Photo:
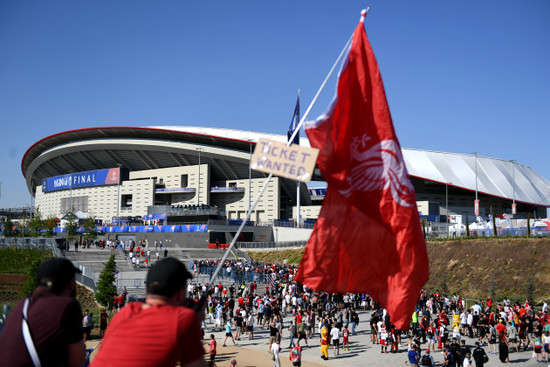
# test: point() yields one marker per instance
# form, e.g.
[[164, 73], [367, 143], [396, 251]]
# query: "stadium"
[[194, 178]]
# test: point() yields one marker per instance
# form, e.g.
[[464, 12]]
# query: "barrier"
[[269, 245], [218, 245]]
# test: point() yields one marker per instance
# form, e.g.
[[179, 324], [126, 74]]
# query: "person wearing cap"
[[479, 355], [161, 330], [427, 360], [53, 318]]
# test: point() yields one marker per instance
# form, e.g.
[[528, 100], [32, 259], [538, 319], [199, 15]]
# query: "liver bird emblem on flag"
[[377, 168]]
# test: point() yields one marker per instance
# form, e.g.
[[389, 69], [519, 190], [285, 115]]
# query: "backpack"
[[294, 330], [295, 355], [426, 361]]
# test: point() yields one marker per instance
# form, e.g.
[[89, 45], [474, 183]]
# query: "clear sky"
[[460, 76]]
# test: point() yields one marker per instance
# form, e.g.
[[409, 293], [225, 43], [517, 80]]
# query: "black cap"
[[56, 272], [166, 277], [476, 343]]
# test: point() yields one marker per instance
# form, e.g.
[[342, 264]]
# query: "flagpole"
[[323, 85], [302, 120], [298, 182]]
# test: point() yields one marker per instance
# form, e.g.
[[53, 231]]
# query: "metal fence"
[[448, 230], [28, 243], [87, 278], [225, 277], [131, 283], [269, 245]]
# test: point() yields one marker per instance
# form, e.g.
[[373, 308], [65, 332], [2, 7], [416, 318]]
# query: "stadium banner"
[[295, 162], [100, 177]]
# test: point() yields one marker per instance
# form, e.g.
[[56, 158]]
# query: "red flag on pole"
[[368, 237]]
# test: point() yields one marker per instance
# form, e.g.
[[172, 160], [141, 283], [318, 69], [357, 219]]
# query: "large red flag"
[[368, 237]]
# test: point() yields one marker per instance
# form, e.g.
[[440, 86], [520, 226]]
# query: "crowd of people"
[[440, 323], [293, 317]]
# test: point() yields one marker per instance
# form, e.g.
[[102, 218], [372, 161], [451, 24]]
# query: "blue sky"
[[460, 76]]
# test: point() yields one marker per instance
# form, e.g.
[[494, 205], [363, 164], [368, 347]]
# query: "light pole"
[[447, 202], [118, 194], [199, 179], [447, 206], [250, 174], [513, 187], [276, 245], [71, 191], [476, 202]]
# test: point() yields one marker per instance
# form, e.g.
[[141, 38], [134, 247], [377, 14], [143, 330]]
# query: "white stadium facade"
[[144, 172]]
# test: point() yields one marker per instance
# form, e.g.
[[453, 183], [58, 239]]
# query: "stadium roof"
[[228, 153]]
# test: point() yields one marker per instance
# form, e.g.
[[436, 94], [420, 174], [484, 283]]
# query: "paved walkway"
[[362, 352], [250, 353]]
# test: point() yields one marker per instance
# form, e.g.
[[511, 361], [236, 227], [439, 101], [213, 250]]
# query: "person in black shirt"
[[479, 355]]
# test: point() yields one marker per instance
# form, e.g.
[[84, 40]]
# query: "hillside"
[[476, 268]]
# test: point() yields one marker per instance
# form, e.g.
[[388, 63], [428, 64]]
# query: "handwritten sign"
[[295, 162]]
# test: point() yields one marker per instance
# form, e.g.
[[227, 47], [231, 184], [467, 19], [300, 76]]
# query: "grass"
[[15, 261]]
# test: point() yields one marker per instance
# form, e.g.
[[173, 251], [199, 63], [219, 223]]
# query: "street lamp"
[[513, 187], [476, 202], [276, 245], [199, 185], [118, 193], [250, 174], [71, 191], [447, 205]]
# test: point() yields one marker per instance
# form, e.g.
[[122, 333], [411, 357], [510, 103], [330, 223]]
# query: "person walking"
[[213, 348], [296, 355], [275, 351], [228, 332]]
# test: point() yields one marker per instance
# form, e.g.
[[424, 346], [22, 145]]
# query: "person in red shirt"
[[298, 318], [345, 338], [296, 355], [161, 330], [213, 348], [501, 327]]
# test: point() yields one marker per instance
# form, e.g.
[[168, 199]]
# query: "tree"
[[71, 226], [36, 224], [106, 288], [89, 229], [8, 228], [31, 282], [467, 227], [49, 224]]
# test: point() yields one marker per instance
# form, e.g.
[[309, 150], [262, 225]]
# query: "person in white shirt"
[[467, 360], [476, 308], [335, 336], [470, 322], [464, 322], [275, 349]]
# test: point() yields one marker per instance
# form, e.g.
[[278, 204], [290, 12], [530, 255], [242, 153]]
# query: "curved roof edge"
[[491, 176]]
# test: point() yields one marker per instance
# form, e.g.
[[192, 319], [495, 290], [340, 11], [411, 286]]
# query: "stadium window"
[[184, 181]]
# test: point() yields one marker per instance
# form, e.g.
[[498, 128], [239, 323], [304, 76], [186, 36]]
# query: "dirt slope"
[[476, 268]]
